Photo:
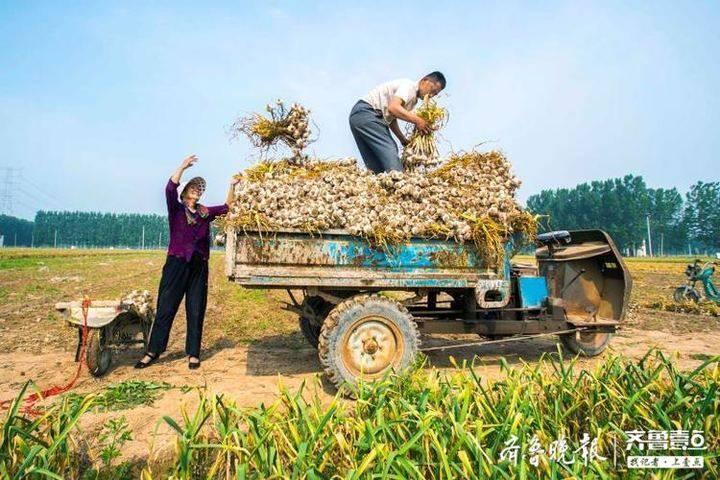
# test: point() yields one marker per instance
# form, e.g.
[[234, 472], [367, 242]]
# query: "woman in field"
[[185, 273]]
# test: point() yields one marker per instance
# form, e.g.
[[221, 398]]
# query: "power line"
[[43, 191], [36, 199], [20, 202]]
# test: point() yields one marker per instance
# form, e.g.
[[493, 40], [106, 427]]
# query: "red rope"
[[31, 400]]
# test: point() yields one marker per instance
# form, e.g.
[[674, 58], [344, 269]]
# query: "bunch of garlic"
[[416, 158], [421, 152], [281, 125], [140, 302], [298, 129]]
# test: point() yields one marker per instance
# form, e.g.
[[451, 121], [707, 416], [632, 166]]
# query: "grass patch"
[[251, 314], [24, 258], [685, 260], [122, 396], [710, 309]]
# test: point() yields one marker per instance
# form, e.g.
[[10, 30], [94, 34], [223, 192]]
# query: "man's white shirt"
[[380, 96]]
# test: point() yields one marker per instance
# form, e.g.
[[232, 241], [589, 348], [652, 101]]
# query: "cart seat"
[[556, 237]]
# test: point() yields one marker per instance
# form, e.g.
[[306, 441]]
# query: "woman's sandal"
[[141, 364], [193, 365]]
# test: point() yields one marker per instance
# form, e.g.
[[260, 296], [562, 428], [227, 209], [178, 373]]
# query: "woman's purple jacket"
[[184, 237]]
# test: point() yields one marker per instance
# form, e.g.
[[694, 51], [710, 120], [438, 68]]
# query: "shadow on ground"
[[514, 353]]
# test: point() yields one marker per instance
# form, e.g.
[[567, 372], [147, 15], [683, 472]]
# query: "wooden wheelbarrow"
[[110, 323]]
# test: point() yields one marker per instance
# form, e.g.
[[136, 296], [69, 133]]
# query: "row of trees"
[[16, 231], [621, 207], [94, 229]]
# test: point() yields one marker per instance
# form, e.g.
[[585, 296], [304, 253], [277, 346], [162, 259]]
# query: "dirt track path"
[[252, 374]]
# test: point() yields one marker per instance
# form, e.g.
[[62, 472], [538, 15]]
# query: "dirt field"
[[250, 344]]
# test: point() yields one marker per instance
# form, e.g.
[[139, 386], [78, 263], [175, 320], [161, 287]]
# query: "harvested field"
[[251, 346]]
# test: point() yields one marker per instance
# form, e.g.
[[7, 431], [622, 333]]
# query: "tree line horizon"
[[688, 224]]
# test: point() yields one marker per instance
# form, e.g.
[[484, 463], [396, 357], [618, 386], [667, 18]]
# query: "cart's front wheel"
[[366, 336], [97, 355], [586, 344]]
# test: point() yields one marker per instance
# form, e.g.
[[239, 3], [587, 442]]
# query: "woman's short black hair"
[[437, 77]]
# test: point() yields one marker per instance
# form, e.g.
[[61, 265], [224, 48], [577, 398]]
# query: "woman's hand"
[[189, 161], [231, 191]]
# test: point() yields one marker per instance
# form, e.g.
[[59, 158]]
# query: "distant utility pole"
[[7, 194], [159, 240], [662, 243], [15, 241], [143, 237], [32, 240], [647, 218], [55, 240]]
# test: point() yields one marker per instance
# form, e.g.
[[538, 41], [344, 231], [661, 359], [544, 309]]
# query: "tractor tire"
[[586, 344], [683, 294], [309, 327], [97, 355], [365, 337]]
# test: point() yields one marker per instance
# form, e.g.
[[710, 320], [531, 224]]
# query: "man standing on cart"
[[377, 113]]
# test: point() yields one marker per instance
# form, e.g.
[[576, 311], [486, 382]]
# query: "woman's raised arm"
[[187, 163]]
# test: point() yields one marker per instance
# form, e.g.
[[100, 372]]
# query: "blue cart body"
[[336, 259], [579, 290]]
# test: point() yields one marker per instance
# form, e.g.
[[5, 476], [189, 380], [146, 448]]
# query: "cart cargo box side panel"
[[297, 259]]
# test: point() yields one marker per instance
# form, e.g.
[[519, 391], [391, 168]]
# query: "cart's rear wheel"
[[97, 355], [586, 344], [365, 337], [318, 308]]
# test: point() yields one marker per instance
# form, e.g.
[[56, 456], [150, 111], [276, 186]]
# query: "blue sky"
[[100, 100]]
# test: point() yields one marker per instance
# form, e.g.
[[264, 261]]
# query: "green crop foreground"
[[423, 424], [440, 425]]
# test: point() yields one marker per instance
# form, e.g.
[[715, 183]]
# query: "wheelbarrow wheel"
[[365, 337], [97, 355], [586, 344], [318, 308]]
